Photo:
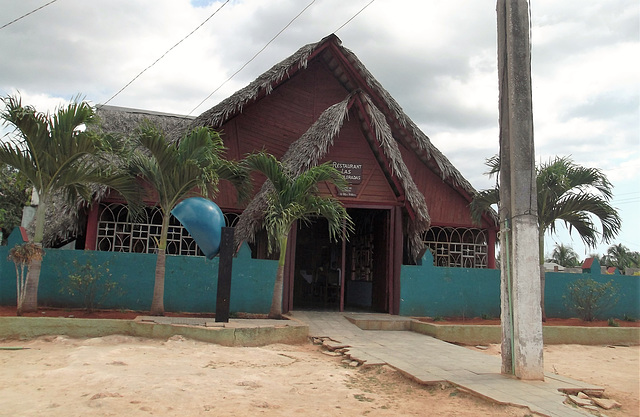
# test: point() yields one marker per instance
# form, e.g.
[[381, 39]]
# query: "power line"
[[163, 55], [252, 58], [354, 16], [627, 201], [25, 15]]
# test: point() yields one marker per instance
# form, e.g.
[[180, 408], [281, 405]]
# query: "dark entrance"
[[319, 281]]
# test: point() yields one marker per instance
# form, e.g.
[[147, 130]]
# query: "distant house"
[[590, 264], [322, 104], [552, 267]]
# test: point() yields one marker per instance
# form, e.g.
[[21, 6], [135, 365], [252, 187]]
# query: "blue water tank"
[[204, 220]]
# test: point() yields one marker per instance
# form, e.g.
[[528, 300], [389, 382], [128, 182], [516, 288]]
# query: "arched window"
[[117, 233], [457, 246]]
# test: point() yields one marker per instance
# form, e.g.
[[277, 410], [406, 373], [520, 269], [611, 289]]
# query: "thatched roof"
[[342, 61], [63, 220], [388, 124], [314, 144], [125, 121]]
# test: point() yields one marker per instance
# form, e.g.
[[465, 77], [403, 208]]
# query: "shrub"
[[589, 298], [92, 283]]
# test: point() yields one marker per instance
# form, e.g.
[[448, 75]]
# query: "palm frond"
[[237, 174], [568, 192], [289, 199], [482, 203], [271, 168]]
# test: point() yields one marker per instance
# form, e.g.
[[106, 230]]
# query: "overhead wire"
[[164, 54], [27, 14], [252, 58], [268, 43], [354, 16]]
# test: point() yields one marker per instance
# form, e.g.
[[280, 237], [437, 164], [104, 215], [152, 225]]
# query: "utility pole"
[[521, 314]]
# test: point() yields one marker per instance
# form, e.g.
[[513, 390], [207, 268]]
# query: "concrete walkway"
[[431, 361]]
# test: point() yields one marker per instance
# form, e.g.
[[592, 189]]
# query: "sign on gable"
[[350, 171]]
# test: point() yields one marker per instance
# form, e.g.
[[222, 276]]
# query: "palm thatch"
[[124, 121], [64, 219], [330, 48], [314, 144], [388, 122]]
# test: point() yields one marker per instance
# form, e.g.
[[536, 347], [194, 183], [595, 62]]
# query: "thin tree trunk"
[[30, 304], [21, 281], [35, 266], [157, 304], [276, 301]]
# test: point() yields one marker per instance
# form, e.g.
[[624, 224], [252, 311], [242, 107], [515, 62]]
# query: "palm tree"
[[621, 257], [190, 167], [564, 256], [57, 155], [568, 192], [292, 198]]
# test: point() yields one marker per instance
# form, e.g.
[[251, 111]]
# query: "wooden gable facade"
[[321, 104]]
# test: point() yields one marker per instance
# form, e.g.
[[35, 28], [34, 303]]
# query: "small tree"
[[565, 256], [91, 282], [190, 167], [621, 257], [568, 192], [22, 256], [57, 153], [295, 198], [589, 298]]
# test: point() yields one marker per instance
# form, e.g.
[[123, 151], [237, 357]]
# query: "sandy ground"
[[615, 368], [126, 376]]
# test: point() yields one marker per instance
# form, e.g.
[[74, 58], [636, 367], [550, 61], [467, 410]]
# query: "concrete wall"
[[426, 290], [432, 291], [628, 290], [190, 282]]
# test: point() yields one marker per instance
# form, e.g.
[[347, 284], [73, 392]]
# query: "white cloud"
[[437, 59]]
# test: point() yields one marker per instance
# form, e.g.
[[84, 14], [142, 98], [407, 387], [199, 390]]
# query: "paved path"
[[430, 361]]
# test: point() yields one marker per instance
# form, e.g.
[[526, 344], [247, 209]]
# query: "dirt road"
[[124, 376]]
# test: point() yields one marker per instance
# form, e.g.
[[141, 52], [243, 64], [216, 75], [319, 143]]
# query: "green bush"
[[90, 282], [589, 298]]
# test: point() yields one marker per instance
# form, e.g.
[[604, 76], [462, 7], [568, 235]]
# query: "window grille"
[[457, 246], [117, 234]]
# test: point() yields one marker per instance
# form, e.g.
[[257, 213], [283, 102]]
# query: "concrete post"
[[520, 282]]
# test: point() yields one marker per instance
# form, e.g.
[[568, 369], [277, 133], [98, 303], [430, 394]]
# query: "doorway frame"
[[394, 250]]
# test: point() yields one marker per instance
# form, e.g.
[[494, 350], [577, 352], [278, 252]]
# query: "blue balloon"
[[204, 220]]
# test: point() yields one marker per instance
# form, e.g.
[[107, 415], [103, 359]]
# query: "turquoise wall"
[[190, 282], [432, 291], [628, 290]]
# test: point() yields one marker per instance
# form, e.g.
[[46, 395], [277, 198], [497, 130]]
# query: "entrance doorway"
[[322, 281]]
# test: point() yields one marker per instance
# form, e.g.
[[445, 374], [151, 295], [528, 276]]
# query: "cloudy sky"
[[436, 57]]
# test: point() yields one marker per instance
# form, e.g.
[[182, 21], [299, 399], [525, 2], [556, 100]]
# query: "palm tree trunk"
[[276, 301], [35, 266], [542, 272], [157, 304], [30, 304]]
